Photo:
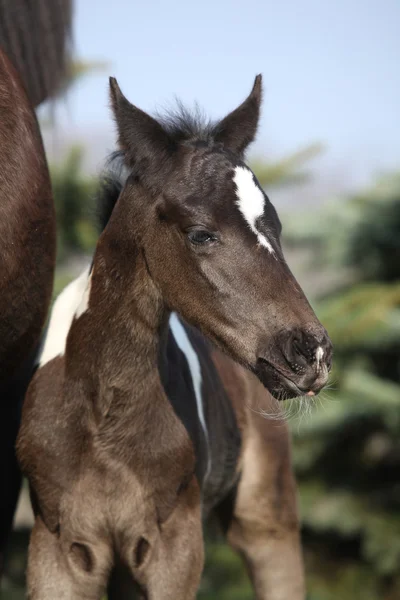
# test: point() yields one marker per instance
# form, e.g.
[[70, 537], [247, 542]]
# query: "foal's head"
[[211, 240]]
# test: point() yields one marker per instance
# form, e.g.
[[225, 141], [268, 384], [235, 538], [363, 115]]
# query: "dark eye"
[[200, 236]]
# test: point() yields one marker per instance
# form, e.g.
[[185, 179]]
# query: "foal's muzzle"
[[296, 364]]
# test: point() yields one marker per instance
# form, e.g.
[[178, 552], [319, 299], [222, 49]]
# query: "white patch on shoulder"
[[65, 308], [250, 201], [319, 354], [84, 303], [185, 345]]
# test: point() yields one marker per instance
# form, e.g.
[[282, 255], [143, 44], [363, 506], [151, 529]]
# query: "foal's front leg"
[[167, 562], [265, 527], [176, 572], [61, 570]]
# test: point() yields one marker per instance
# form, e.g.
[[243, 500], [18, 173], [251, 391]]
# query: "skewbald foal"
[[139, 425]]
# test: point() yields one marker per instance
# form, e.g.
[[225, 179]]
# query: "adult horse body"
[[138, 423], [27, 254]]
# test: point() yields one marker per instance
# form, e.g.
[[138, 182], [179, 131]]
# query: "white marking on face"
[[251, 202], [185, 345], [64, 310], [319, 354]]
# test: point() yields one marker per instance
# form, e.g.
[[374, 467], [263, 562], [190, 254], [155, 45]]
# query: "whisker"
[[294, 410]]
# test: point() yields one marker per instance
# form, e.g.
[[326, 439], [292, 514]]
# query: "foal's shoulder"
[[64, 309]]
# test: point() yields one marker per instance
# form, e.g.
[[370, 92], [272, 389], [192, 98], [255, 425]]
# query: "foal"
[[27, 254], [139, 425]]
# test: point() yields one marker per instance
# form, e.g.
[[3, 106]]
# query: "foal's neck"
[[114, 346], [111, 370]]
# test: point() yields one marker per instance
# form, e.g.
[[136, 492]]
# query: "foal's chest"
[[199, 398]]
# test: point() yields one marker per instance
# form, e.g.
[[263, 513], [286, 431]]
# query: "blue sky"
[[331, 69]]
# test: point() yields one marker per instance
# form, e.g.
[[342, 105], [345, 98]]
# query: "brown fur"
[[114, 470], [35, 35], [107, 472], [111, 472], [27, 255], [27, 224]]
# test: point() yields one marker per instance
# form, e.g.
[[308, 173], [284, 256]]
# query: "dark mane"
[[112, 181], [184, 125]]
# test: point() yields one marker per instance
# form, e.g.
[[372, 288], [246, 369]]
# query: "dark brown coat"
[[110, 440], [27, 256]]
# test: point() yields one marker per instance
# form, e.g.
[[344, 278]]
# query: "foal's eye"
[[200, 236]]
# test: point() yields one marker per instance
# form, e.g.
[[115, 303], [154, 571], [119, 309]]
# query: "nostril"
[[302, 351], [305, 348], [298, 349]]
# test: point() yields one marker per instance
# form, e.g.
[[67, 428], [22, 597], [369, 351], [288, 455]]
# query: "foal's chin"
[[279, 386]]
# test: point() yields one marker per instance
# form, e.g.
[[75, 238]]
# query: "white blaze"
[[250, 201], [67, 305]]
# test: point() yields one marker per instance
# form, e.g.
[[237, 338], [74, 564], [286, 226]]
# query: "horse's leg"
[[167, 562], [65, 571], [10, 475], [264, 528], [176, 573], [12, 395]]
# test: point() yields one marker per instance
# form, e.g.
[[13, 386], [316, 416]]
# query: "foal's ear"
[[239, 128], [146, 144]]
